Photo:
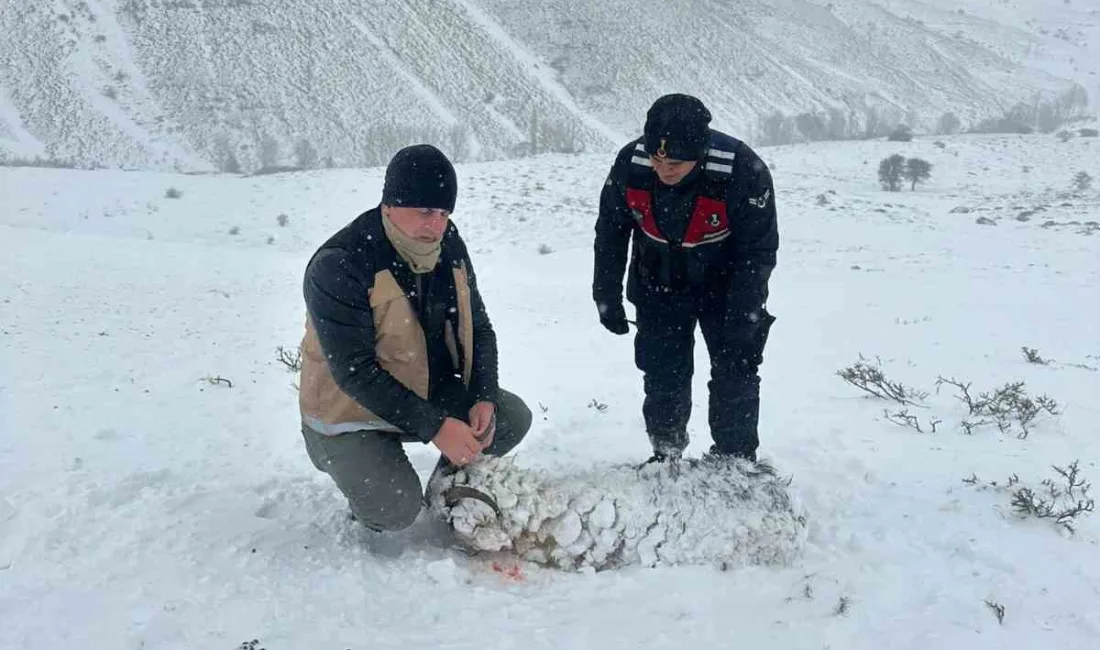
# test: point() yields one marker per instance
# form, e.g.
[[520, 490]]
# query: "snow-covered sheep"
[[712, 511]]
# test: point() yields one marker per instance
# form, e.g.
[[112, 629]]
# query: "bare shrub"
[[291, 359], [1062, 500], [906, 419], [1007, 406], [1032, 356], [872, 379], [214, 381], [997, 609]]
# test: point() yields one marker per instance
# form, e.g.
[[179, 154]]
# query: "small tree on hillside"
[[901, 134], [305, 154], [533, 130], [269, 152], [1082, 182], [777, 129], [890, 171], [875, 123], [917, 171], [459, 138], [226, 158], [949, 124]]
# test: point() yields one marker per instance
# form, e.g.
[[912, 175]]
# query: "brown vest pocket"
[[399, 341]]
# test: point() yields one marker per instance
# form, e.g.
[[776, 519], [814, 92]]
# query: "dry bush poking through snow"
[[1062, 501], [1032, 356], [872, 379], [292, 359], [1006, 407]]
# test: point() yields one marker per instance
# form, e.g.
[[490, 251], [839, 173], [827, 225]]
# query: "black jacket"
[[337, 280], [734, 270]]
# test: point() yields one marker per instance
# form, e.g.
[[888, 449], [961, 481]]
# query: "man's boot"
[[716, 452], [668, 445], [735, 418]]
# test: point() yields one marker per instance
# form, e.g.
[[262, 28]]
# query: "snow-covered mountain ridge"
[[228, 84]]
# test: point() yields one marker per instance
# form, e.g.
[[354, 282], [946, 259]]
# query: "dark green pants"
[[373, 472]]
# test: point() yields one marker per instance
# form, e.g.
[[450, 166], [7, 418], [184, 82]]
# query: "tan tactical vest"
[[399, 347]]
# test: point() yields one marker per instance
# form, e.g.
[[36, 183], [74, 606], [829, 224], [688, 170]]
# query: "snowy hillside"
[[227, 84], [144, 503]]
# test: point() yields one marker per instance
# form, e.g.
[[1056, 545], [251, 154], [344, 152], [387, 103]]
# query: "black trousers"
[[663, 350], [372, 470]]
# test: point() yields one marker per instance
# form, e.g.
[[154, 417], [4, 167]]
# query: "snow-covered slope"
[[142, 506], [909, 61], [201, 84]]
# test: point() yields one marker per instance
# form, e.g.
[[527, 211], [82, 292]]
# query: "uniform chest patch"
[[761, 201]]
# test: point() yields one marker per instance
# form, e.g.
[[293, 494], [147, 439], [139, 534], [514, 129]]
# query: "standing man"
[[399, 348], [700, 208]]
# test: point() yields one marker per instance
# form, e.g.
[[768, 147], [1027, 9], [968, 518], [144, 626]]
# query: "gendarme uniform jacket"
[[381, 341], [712, 236]]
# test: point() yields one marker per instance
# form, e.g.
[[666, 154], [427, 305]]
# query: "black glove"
[[613, 317]]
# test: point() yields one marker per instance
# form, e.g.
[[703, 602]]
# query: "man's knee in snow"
[[396, 512]]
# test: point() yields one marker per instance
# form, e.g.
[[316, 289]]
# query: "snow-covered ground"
[[142, 506]]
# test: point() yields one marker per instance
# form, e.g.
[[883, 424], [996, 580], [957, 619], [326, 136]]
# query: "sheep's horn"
[[453, 494]]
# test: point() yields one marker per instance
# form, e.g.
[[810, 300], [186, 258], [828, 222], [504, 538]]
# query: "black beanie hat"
[[420, 176], [676, 127]]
